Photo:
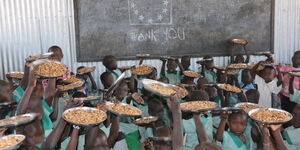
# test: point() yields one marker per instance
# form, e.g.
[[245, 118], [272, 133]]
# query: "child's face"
[[296, 116], [238, 124], [186, 63], [239, 59], [171, 65], [201, 82], [113, 64], [252, 98], [158, 111], [296, 59], [212, 92], [6, 93], [100, 143], [153, 75], [122, 91], [209, 64], [246, 77], [268, 74], [221, 77]]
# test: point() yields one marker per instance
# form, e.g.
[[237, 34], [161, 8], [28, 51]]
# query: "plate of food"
[[88, 98], [237, 66], [72, 79], [239, 41], [158, 88], [247, 106], [191, 74], [11, 142], [49, 69], [84, 116], [295, 73], [232, 73], [122, 109], [263, 53], [70, 86], [141, 69], [111, 89], [220, 67], [86, 70], [198, 106], [270, 115], [125, 67], [186, 85], [42, 56], [145, 120], [17, 120], [142, 55], [180, 90], [8, 104], [228, 109], [15, 75], [229, 88], [167, 57]]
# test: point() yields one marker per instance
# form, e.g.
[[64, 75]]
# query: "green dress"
[[232, 142], [210, 76], [115, 73], [291, 136], [189, 128], [295, 97], [174, 77]]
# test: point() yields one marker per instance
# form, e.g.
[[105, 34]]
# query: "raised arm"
[[179, 65], [94, 85], [50, 91], [231, 50], [74, 138], [177, 132], [280, 77], [163, 67], [246, 53], [275, 130], [201, 133], [221, 129], [23, 104], [114, 131], [291, 85], [25, 78]]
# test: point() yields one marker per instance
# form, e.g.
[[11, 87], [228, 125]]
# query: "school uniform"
[[266, 90], [174, 77], [116, 73], [291, 136], [295, 97], [189, 128], [210, 75], [233, 142]]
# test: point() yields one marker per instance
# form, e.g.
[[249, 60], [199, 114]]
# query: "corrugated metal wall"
[[29, 27]]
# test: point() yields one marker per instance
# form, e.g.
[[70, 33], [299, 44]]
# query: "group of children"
[[264, 85]]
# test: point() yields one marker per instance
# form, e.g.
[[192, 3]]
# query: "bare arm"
[[179, 65], [163, 67], [114, 131], [74, 139], [201, 133], [50, 91], [247, 54], [279, 140], [220, 131], [231, 49], [94, 85], [25, 78], [280, 77], [291, 85], [54, 114]]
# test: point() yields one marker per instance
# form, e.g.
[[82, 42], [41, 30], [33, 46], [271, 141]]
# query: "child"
[[252, 96], [235, 138], [287, 104], [247, 80], [186, 62], [110, 63], [164, 80], [267, 84], [208, 69], [172, 74], [57, 53], [190, 126], [107, 79], [6, 97], [239, 58], [90, 85], [201, 83]]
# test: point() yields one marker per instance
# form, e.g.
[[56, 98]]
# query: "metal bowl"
[[199, 110], [75, 87], [292, 74], [239, 104], [41, 61], [227, 109], [15, 146], [92, 69], [121, 114], [273, 109], [227, 89], [9, 74], [152, 68], [147, 82], [239, 41], [145, 123], [142, 55], [87, 109], [42, 56], [88, 99], [160, 139], [32, 116]]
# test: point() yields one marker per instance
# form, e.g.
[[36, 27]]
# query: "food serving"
[[162, 89], [87, 98], [125, 67], [123, 109], [198, 105], [86, 70], [191, 74], [220, 67], [70, 86], [239, 41], [180, 90], [14, 120], [229, 88], [142, 70], [232, 73], [270, 115], [50, 69], [142, 55], [237, 66], [10, 140], [16, 75], [83, 116], [72, 79], [43, 56], [145, 120], [247, 106]]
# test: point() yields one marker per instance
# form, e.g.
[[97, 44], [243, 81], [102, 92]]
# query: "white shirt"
[[266, 90]]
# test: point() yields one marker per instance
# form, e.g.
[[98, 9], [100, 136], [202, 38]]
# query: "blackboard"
[[170, 27]]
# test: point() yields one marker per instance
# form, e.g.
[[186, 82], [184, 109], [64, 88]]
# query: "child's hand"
[[72, 103], [275, 128], [225, 114], [32, 79], [2, 131], [148, 144], [101, 106], [264, 129], [137, 97]]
